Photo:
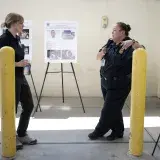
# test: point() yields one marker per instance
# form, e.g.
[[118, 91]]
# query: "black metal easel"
[[46, 72], [156, 145], [35, 92]]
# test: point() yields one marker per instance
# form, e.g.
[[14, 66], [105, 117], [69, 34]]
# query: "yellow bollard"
[[7, 97], [138, 96]]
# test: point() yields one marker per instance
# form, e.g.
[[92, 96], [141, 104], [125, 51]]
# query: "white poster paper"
[[2, 30], [60, 42], [26, 39]]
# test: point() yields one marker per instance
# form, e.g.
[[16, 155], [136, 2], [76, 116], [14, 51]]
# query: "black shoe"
[[94, 136], [114, 136], [26, 140], [19, 145]]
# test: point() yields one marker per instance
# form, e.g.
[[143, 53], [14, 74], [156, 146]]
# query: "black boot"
[[113, 136], [95, 135]]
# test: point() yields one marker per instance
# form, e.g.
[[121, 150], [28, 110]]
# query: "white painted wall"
[[142, 15]]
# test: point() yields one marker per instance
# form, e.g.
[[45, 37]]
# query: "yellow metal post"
[[7, 97], [138, 95]]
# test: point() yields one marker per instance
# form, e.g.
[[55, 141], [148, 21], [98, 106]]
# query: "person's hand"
[[126, 44], [100, 54], [136, 45], [22, 63]]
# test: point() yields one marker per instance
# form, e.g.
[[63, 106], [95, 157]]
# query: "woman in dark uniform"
[[14, 24], [116, 70]]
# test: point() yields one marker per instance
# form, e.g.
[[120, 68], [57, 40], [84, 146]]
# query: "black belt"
[[117, 77]]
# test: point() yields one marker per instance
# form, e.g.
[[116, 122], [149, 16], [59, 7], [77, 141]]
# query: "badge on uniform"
[[20, 44], [121, 50], [103, 62]]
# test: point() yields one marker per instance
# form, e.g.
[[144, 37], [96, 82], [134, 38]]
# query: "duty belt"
[[117, 77]]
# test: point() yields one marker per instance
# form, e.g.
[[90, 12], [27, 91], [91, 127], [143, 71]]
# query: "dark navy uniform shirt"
[[116, 62], [7, 39]]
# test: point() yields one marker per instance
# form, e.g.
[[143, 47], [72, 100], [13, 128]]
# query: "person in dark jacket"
[[14, 26], [115, 72]]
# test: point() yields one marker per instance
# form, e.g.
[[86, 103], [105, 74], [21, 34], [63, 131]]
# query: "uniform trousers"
[[115, 90]]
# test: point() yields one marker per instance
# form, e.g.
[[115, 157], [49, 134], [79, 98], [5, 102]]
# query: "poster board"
[[26, 39], [60, 42]]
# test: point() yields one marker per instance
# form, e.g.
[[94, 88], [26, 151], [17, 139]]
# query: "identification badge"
[[121, 50], [103, 62], [20, 44]]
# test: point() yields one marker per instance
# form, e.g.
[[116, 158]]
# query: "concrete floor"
[[62, 129]]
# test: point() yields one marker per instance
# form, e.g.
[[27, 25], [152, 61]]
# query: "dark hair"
[[12, 18], [125, 27]]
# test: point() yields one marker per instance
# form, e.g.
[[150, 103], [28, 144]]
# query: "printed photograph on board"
[[25, 34], [54, 54], [68, 55], [68, 34]]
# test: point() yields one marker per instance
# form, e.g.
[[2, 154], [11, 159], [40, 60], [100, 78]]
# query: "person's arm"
[[5, 42], [135, 44], [103, 51], [126, 51], [100, 54], [121, 56], [21, 63]]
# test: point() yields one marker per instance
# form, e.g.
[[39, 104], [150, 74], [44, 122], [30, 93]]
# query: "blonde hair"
[[12, 18]]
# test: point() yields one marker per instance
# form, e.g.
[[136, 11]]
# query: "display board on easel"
[[60, 42], [60, 46]]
